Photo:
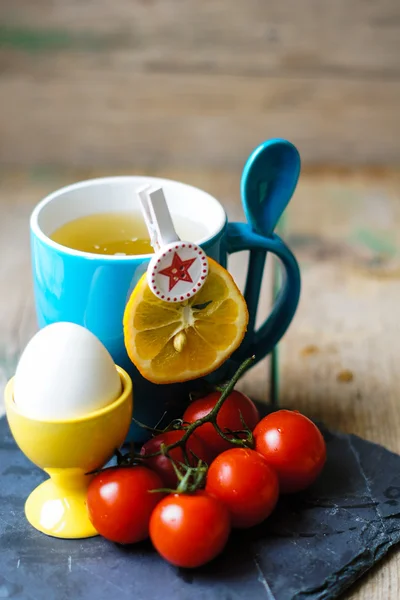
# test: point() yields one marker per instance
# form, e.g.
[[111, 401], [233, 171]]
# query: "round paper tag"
[[177, 271]]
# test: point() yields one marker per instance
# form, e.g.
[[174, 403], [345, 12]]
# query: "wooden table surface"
[[111, 83], [339, 362]]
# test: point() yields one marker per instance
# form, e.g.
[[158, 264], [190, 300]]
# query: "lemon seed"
[[180, 341]]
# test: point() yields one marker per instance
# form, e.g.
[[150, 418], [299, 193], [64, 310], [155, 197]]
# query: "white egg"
[[65, 372]]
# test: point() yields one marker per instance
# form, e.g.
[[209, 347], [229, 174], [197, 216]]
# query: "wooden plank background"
[[189, 83]]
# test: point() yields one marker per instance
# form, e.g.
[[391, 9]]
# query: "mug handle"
[[260, 342]]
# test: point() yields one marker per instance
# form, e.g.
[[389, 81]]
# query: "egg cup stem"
[[58, 508]]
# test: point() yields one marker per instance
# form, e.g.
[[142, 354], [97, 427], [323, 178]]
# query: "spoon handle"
[[268, 181], [261, 342], [255, 272]]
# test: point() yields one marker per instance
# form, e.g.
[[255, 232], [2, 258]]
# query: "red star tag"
[[178, 270]]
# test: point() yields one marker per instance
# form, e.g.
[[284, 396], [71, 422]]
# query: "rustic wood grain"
[[315, 37], [55, 114], [339, 360], [197, 83]]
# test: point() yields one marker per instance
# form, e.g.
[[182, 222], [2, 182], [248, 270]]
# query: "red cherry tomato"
[[243, 481], [228, 418], [162, 464], [293, 446], [120, 503], [189, 530]]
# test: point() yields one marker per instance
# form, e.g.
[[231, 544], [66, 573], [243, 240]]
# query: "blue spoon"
[[268, 181]]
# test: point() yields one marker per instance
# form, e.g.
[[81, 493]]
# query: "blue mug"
[[92, 290]]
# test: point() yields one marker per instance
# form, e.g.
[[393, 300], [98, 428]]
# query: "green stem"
[[211, 417], [232, 437], [193, 478], [153, 430]]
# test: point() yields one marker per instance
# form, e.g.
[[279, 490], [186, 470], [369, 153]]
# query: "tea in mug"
[[118, 233]]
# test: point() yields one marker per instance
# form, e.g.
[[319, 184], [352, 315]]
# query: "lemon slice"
[[169, 343]]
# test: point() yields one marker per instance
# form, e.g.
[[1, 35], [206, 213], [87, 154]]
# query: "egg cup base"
[[59, 512]]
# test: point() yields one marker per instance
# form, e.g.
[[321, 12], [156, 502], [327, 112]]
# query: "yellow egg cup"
[[67, 450]]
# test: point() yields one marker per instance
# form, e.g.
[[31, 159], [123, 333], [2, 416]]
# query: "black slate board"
[[312, 548]]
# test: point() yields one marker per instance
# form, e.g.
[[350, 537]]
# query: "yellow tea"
[[120, 233]]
